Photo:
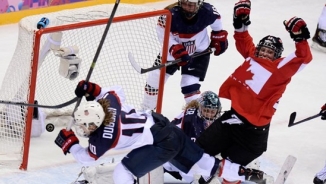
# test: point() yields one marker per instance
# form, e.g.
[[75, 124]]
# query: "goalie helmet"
[[190, 7], [88, 118], [273, 43], [209, 107]]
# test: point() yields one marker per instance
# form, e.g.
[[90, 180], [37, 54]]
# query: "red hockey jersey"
[[256, 86]]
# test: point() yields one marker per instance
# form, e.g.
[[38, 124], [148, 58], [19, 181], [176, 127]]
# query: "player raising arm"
[[254, 88], [188, 35], [109, 123]]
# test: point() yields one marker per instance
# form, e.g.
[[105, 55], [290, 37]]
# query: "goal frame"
[[35, 57]]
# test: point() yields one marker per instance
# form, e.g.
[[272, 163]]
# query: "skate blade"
[[317, 47]]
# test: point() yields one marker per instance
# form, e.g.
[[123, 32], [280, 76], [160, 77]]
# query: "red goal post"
[[34, 74]]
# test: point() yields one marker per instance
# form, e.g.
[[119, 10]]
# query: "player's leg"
[[152, 84], [191, 76], [172, 170], [249, 143], [216, 137], [146, 158]]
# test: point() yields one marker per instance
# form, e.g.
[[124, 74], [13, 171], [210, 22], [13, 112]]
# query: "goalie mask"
[[190, 7], [88, 118], [209, 107], [269, 45]]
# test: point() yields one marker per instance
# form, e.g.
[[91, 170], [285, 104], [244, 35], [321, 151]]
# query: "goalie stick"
[[41, 106], [285, 169], [99, 48], [145, 70], [293, 115], [284, 172]]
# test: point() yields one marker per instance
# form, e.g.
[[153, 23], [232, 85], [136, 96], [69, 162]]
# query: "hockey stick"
[[285, 169], [99, 48], [145, 70], [41, 106], [293, 115]]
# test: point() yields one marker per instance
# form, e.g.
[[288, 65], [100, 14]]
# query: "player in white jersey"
[[188, 35], [109, 123], [319, 39], [320, 177]]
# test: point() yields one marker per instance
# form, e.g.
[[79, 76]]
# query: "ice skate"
[[319, 40], [320, 177]]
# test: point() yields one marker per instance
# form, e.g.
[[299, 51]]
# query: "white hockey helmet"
[[190, 12], [88, 117]]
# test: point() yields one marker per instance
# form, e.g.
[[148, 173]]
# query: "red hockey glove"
[[219, 41], [241, 14], [297, 28], [323, 112], [179, 52], [88, 89], [65, 140]]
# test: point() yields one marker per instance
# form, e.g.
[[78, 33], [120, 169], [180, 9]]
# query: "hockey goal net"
[[33, 73]]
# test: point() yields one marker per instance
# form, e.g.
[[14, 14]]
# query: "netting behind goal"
[[34, 69]]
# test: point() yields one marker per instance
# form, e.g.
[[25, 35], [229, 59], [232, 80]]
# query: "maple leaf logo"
[[242, 73]]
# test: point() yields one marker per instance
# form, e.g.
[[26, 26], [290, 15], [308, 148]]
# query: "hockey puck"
[[49, 127]]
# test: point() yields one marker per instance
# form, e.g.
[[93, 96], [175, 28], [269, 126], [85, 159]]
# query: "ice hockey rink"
[[305, 95]]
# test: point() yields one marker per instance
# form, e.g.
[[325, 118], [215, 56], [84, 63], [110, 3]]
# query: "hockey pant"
[[170, 144]]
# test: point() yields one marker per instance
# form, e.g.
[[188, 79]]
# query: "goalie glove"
[[297, 28], [241, 14], [219, 41], [88, 89], [65, 140], [323, 112]]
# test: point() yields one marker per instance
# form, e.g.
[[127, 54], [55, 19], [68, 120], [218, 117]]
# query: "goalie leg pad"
[[122, 175]]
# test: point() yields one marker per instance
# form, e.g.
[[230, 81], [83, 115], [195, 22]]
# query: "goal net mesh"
[[133, 30]]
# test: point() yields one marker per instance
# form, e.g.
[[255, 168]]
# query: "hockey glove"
[[179, 52], [323, 112], [65, 140], [88, 89], [241, 14], [297, 28], [219, 41]]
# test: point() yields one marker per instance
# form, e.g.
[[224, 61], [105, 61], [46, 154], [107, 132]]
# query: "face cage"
[[189, 15], [210, 120], [277, 52]]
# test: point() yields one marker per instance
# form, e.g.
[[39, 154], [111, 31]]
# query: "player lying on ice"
[[109, 123]]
